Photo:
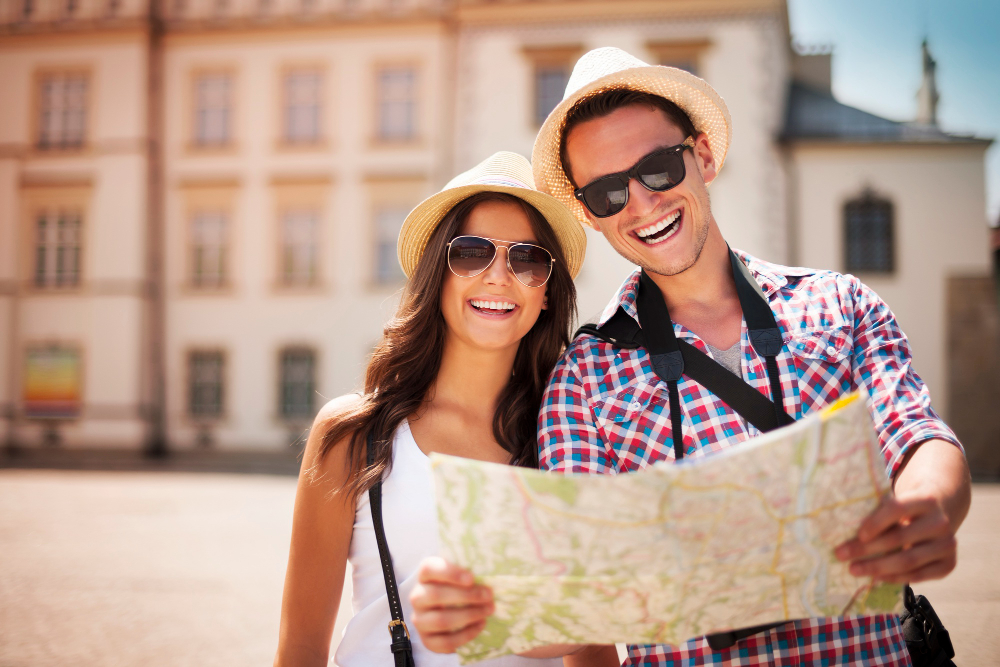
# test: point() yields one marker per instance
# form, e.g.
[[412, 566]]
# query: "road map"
[[736, 539]]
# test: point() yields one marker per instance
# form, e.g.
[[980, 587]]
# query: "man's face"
[[663, 232]]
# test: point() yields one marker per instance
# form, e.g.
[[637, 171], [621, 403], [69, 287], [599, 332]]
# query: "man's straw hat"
[[609, 68], [501, 172]]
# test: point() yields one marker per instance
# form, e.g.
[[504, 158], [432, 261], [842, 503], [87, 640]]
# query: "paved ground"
[[156, 569]]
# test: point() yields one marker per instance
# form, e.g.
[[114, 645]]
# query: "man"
[[605, 407], [632, 150]]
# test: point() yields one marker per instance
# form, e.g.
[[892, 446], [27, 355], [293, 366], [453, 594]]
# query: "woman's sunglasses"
[[659, 171], [469, 256]]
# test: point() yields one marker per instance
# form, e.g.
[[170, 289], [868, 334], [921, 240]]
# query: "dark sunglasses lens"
[[605, 196], [470, 255], [661, 172], [531, 264]]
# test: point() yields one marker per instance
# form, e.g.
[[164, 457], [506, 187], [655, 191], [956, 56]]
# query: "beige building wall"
[[938, 193], [347, 178], [103, 180]]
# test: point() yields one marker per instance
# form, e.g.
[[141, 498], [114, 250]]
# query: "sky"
[[877, 62]]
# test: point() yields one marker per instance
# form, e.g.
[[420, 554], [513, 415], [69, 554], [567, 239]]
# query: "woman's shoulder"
[[333, 456], [338, 407]]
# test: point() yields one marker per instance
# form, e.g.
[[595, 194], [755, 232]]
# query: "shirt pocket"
[[638, 408], [823, 363]]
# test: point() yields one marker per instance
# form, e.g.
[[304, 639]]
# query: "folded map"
[[739, 538]]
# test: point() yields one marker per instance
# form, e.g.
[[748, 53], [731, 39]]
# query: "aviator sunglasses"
[[659, 171], [469, 256]]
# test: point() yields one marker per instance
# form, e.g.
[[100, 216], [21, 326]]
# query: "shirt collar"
[[770, 277]]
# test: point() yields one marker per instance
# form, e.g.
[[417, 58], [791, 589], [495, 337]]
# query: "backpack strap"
[[401, 648]]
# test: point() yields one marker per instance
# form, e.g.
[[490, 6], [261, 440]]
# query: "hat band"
[[501, 181]]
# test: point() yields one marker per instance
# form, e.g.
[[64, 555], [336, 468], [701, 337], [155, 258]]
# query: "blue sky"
[[877, 64]]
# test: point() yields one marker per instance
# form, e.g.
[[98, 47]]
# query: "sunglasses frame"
[[497, 244], [633, 173]]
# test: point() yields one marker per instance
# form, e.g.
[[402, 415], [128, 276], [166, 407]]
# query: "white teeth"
[[492, 305], [660, 226]]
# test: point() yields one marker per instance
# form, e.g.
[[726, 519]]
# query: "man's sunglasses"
[[659, 171], [469, 256]]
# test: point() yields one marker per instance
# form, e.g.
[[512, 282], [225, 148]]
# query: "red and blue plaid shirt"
[[606, 411]]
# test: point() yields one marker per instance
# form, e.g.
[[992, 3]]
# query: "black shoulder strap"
[[400, 636], [622, 331]]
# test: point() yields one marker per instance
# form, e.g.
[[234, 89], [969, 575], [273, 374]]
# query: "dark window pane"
[[298, 383], [550, 84], [205, 371], [868, 235]]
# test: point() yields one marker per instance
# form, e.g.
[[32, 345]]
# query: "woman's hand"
[[449, 608]]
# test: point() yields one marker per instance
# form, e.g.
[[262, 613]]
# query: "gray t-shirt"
[[729, 358]]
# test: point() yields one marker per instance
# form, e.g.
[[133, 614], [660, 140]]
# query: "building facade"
[[199, 199]]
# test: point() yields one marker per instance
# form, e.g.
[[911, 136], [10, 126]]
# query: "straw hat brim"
[[424, 219], [704, 106]]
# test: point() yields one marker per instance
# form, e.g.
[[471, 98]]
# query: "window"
[[213, 109], [868, 234], [396, 111], [550, 84], [63, 111], [682, 54], [388, 222], [57, 249], [298, 383], [302, 106], [208, 249], [298, 247], [550, 71], [205, 384]]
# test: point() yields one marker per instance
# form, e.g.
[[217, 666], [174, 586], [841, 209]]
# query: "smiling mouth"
[[499, 307], [662, 230]]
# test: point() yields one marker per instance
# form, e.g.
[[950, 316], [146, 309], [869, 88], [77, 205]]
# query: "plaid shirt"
[[606, 411]]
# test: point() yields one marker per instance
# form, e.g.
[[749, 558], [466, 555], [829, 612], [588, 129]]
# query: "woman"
[[460, 370]]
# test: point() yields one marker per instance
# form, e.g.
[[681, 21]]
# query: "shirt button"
[[635, 405], [831, 350]]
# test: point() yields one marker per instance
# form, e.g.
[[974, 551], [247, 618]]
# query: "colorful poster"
[[52, 383]]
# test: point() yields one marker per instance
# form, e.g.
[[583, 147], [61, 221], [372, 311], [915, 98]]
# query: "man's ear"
[[704, 159]]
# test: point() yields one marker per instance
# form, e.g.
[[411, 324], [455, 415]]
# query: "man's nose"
[[641, 201]]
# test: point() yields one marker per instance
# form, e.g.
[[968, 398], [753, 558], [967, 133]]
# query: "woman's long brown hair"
[[405, 363]]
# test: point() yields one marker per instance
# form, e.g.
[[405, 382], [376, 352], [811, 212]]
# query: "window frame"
[[869, 198], [546, 56], [43, 75], [292, 417], [378, 139], [676, 51], [189, 356], [320, 140], [401, 192], [192, 112]]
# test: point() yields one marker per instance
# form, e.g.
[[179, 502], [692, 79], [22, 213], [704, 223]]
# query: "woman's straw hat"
[[609, 68], [501, 172]]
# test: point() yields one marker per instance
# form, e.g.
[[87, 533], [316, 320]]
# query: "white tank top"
[[410, 520]]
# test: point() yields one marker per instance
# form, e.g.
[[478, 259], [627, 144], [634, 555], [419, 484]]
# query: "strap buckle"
[[394, 623]]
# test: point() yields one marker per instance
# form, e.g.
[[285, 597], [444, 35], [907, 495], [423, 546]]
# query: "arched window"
[[868, 234]]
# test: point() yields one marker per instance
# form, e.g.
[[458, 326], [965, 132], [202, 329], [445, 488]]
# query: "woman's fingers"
[[449, 608], [431, 596], [448, 643], [437, 570]]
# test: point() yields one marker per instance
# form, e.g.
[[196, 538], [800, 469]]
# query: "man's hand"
[[449, 608], [911, 537]]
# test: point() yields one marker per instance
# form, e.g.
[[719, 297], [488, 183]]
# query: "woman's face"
[[467, 303]]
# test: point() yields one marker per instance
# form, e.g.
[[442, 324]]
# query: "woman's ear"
[[545, 299]]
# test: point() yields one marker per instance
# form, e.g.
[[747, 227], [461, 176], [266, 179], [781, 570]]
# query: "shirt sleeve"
[[569, 439], [898, 399]]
